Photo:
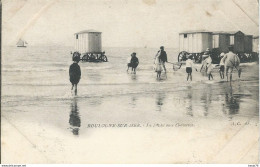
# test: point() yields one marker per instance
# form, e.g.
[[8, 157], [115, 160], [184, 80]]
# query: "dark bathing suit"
[[188, 69], [163, 56], [75, 73], [134, 62], [222, 68]]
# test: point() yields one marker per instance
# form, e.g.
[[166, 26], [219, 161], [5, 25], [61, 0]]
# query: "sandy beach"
[[119, 117]]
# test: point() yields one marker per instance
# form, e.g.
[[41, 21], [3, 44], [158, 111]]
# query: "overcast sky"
[[123, 23]]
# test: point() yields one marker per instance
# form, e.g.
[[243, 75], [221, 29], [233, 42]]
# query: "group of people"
[[206, 66], [159, 62], [228, 62]]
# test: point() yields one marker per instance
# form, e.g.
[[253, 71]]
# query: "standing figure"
[[134, 62], [209, 66], [158, 65], [189, 65], [204, 60], [163, 57], [74, 71], [222, 66], [231, 60]]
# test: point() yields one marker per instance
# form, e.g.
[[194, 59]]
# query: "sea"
[[37, 103]]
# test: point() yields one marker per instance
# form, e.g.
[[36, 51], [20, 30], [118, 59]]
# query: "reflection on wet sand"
[[74, 120], [231, 102], [134, 77], [160, 100], [207, 98], [188, 102], [133, 101]]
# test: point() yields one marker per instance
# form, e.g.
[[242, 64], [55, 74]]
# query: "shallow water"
[[36, 94]]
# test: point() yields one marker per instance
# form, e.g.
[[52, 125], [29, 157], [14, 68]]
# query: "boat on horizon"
[[21, 43]]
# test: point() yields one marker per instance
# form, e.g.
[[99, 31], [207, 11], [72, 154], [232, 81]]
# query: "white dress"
[[210, 66], [158, 64]]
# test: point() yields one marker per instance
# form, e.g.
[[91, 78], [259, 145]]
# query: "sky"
[[123, 23]]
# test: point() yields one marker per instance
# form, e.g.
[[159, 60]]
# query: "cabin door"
[[94, 42]]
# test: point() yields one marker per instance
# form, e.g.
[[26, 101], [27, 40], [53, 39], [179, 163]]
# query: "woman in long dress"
[[158, 65]]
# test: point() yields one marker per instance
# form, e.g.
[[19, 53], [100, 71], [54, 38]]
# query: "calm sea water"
[[35, 86]]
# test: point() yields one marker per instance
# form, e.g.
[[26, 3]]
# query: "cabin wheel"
[[85, 57], [198, 57], [104, 58], [182, 56]]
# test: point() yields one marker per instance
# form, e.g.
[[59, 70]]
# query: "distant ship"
[[21, 43]]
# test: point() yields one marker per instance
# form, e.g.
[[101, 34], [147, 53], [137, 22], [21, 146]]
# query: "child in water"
[[189, 65], [133, 62], [75, 72]]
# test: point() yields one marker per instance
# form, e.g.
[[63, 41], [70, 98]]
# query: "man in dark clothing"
[[163, 57], [75, 72]]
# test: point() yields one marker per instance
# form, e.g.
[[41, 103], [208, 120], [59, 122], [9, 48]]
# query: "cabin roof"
[[88, 31], [248, 35], [224, 32], [227, 32], [194, 32]]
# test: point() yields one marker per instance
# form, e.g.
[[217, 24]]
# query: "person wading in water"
[[231, 60], [75, 72], [163, 57]]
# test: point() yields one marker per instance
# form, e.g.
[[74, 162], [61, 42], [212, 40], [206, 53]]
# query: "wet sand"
[[119, 117], [197, 122]]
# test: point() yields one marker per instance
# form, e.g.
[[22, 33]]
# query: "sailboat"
[[21, 43]]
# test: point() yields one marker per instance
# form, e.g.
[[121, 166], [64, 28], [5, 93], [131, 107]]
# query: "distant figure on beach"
[[222, 68], [75, 72], [158, 65], [231, 60], [163, 57], [132, 62], [189, 65], [209, 66], [204, 61]]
